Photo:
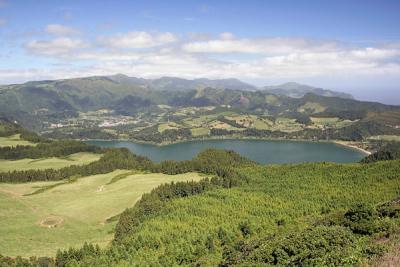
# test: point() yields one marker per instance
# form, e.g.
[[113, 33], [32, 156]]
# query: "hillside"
[[113, 107], [70, 214], [244, 214], [297, 90], [179, 84], [340, 215]]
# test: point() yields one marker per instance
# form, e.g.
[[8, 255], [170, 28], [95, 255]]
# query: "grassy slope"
[[14, 140], [296, 195], [83, 207], [55, 163]]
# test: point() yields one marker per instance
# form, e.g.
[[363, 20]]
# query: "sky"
[[344, 45]]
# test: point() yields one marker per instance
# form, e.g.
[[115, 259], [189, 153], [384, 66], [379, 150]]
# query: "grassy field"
[[55, 163], [286, 125], [69, 214], [311, 106], [200, 131], [385, 138], [14, 140], [165, 126]]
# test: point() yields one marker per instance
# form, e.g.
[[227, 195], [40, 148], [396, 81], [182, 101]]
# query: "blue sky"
[[351, 46]]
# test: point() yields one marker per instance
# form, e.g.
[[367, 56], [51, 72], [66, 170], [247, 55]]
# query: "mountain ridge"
[[172, 83], [297, 90]]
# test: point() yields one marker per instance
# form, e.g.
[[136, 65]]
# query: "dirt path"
[[390, 259]]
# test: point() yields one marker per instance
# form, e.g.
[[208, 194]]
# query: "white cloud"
[[57, 47], [228, 44], [227, 36], [200, 55], [138, 39], [60, 30]]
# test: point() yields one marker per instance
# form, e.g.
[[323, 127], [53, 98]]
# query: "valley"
[[109, 173], [204, 133], [125, 108]]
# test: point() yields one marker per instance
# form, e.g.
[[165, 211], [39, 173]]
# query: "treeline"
[[342, 114], [389, 151], [8, 128], [210, 161], [48, 149], [91, 133], [112, 159], [151, 134], [232, 123]]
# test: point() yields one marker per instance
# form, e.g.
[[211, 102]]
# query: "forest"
[[333, 217]]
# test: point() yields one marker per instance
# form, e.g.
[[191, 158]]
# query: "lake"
[[261, 151]]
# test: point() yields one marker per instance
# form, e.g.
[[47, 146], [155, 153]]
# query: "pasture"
[[200, 131], [14, 140], [68, 214], [81, 158]]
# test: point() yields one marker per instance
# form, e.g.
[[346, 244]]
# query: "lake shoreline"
[[348, 144], [352, 145]]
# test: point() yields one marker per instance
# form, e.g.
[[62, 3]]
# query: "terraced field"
[[69, 213]]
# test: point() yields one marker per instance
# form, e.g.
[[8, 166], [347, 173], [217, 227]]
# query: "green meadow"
[[14, 140], [45, 163], [60, 215]]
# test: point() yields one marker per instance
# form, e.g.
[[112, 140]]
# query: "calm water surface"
[[258, 150]]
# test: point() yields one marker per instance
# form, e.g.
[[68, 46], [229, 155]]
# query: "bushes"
[[151, 134], [76, 255], [363, 219], [318, 246], [389, 209], [269, 221], [211, 161], [389, 151], [31, 262], [150, 204], [232, 123], [377, 156]]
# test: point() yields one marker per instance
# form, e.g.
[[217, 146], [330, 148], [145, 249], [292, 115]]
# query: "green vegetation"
[[45, 163], [311, 107], [218, 209], [78, 210], [165, 126], [389, 138], [314, 214], [13, 141], [272, 203], [114, 107], [111, 160], [48, 149], [200, 131], [388, 151]]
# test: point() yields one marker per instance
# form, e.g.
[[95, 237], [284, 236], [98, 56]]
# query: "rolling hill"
[[148, 102]]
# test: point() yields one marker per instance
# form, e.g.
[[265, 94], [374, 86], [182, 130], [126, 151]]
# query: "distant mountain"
[[179, 84], [297, 90], [33, 103]]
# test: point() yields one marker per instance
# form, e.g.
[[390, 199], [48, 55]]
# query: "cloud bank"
[[154, 54]]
